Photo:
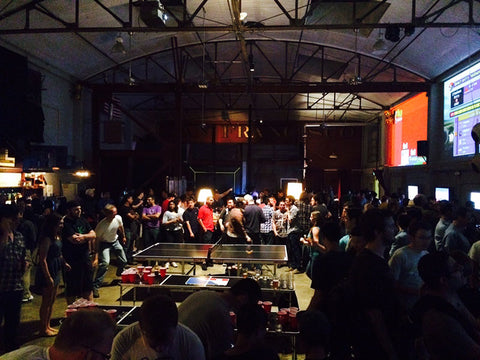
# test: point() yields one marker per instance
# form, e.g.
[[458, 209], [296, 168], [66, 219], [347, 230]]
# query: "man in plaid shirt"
[[12, 267]]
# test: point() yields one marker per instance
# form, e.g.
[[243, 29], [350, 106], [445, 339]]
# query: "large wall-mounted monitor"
[[406, 123], [412, 191], [461, 109], [442, 193], [475, 197]]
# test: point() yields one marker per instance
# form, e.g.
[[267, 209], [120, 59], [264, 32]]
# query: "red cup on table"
[[145, 275], [131, 277], [267, 306], [282, 317], [292, 322], [151, 279], [163, 271], [125, 277]]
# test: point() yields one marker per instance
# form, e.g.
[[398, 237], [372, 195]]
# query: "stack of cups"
[[288, 318]]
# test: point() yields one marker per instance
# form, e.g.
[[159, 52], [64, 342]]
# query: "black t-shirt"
[[75, 252], [191, 215], [330, 269], [123, 211], [373, 288]]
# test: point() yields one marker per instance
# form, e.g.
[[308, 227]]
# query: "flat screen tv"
[[442, 193], [475, 197], [412, 191], [461, 109]]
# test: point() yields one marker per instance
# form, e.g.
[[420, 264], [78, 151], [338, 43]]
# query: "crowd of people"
[[393, 278]]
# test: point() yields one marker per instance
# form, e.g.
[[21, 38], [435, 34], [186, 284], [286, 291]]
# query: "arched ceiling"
[[314, 61]]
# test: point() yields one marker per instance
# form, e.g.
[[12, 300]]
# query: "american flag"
[[112, 109]]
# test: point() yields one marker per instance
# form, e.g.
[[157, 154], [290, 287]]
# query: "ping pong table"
[[217, 253]]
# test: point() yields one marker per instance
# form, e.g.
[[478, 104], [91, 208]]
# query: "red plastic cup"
[[233, 318], [282, 317], [131, 277], [145, 275], [149, 268], [163, 271], [267, 306], [140, 268], [151, 279], [69, 312], [112, 313], [292, 321], [125, 277]]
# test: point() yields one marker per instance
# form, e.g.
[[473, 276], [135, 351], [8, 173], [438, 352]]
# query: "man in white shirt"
[[108, 230], [157, 335]]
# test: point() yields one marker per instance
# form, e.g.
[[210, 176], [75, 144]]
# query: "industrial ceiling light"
[[380, 46], [251, 64], [118, 47], [333, 156]]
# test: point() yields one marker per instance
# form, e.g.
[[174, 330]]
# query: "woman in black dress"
[[51, 263]]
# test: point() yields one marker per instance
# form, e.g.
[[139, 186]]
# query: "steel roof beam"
[[273, 88]]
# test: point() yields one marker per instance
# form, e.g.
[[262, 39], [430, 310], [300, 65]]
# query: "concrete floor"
[[109, 295]]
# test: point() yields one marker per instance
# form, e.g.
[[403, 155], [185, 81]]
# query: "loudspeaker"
[[422, 148]]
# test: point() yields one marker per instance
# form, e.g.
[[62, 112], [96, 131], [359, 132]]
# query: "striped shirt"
[[12, 264], [266, 226]]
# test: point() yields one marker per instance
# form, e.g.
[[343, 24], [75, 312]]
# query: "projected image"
[[406, 123], [461, 110]]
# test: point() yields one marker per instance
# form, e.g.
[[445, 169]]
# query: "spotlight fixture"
[[118, 47], [409, 30], [392, 33], [333, 156]]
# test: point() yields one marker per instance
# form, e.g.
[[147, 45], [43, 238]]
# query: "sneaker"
[[95, 293], [27, 299], [174, 264], [204, 266]]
